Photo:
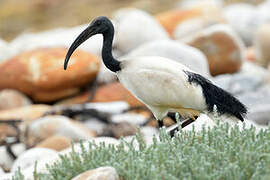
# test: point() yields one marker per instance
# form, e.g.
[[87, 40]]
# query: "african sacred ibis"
[[163, 85]]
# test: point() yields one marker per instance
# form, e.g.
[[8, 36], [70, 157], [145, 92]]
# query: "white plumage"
[[161, 84]]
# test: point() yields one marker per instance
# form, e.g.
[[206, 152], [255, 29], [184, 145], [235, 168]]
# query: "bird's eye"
[[98, 23]]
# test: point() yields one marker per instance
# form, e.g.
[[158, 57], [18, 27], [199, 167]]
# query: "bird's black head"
[[100, 25]]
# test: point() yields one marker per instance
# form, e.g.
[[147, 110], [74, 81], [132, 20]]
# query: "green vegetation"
[[219, 153]]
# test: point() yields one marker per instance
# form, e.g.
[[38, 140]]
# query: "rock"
[[61, 37], [223, 49], [173, 18], [247, 20], [131, 118], [255, 70], [115, 107], [29, 157], [5, 51], [10, 98], [106, 93], [39, 73], [260, 114], [1, 172], [148, 134], [95, 125], [41, 166], [194, 3], [115, 92], [48, 126], [177, 51], [27, 113], [7, 131], [6, 176], [57, 143], [190, 27], [263, 11], [120, 130], [250, 54], [6, 160], [250, 79], [260, 96], [239, 83], [262, 43], [202, 121], [102, 173], [129, 32]]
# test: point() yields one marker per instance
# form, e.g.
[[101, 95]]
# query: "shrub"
[[219, 153]]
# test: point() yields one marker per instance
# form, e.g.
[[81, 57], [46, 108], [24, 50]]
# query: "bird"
[[162, 84]]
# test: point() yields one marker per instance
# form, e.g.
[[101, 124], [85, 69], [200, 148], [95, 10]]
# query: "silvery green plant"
[[218, 153]]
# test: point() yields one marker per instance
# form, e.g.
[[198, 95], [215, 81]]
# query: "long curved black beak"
[[86, 34]]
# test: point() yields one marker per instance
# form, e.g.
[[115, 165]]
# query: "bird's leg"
[[172, 115], [160, 123], [184, 124]]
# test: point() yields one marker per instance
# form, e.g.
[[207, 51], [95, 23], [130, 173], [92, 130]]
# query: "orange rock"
[[171, 19], [107, 93], [115, 92], [57, 143], [26, 113], [39, 73], [222, 47]]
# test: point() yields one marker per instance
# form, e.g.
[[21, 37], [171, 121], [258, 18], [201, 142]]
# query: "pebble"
[[6, 159], [29, 157], [260, 114], [10, 98], [95, 125], [177, 51], [101, 173], [48, 126], [61, 37], [57, 143], [27, 113], [120, 130], [129, 32], [261, 45], [131, 118], [39, 73], [244, 19], [222, 47]]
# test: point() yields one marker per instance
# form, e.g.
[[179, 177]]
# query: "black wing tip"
[[225, 102]]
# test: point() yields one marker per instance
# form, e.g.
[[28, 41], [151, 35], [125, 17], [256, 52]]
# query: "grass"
[[220, 153]]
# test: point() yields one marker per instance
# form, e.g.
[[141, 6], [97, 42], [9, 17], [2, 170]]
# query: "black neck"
[[108, 59]]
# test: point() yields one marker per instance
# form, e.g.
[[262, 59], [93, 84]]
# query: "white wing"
[[161, 82]]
